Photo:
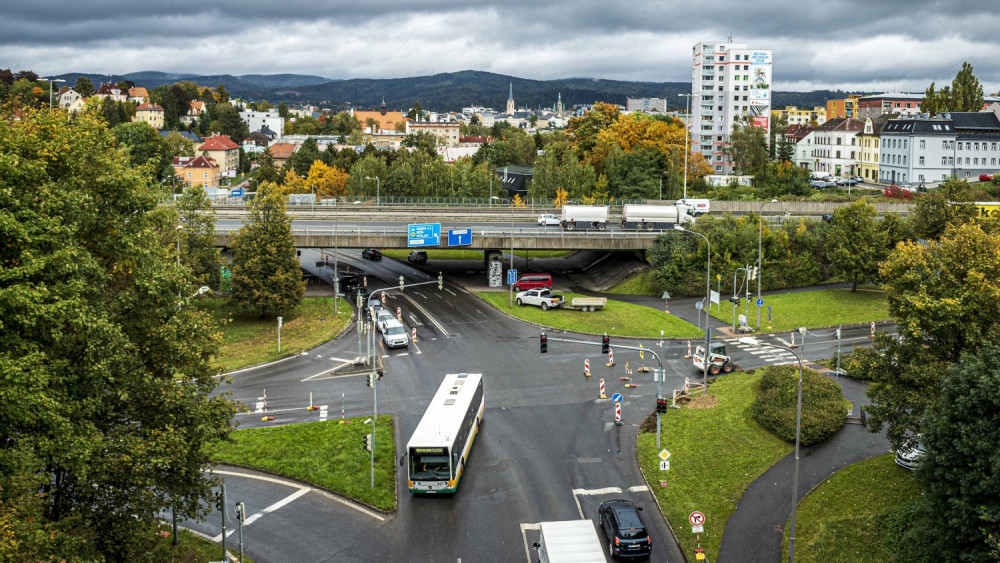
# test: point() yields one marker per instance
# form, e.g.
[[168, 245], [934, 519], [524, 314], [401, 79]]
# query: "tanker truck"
[[655, 216], [583, 217]]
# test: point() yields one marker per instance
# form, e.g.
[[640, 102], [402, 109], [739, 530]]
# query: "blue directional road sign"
[[511, 277], [423, 234], [236, 192], [760, 301], [616, 398], [459, 237]]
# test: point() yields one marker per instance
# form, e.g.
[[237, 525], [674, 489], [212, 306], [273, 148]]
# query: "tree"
[[932, 103], [94, 337], [423, 140], [198, 236], [933, 213], [283, 110], [266, 276], [303, 159], [583, 130], [747, 147], [416, 113], [329, 181], [966, 91], [228, 122], [856, 244], [146, 148], [84, 87], [221, 94], [959, 472]]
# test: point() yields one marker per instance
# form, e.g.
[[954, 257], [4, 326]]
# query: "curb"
[[659, 508]]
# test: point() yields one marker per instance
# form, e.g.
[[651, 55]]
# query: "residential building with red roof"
[[138, 94], [151, 114], [197, 170], [108, 90], [281, 152], [223, 150], [194, 112]]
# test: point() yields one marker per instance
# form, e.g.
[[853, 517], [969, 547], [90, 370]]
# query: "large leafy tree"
[[329, 181], [228, 122], [856, 243], [267, 279], [84, 86], [199, 252], [747, 147], [965, 94], [960, 471], [105, 406]]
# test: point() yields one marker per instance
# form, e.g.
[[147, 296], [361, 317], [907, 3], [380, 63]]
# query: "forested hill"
[[440, 92]]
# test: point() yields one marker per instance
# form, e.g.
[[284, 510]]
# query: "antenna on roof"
[[729, 38]]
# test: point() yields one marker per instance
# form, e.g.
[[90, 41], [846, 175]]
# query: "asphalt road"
[[549, 448]]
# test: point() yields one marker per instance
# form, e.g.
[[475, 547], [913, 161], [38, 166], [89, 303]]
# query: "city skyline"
[[851, 45]]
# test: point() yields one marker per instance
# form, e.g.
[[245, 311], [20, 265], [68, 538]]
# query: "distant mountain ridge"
[[439, 92]]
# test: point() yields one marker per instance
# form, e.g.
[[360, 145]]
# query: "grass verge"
[[642, 283], [845, 517], [327, 454], [825, 307], [542, 253], [715, 454], [433, 254], [617, 318], [249, 340], [193, 548]]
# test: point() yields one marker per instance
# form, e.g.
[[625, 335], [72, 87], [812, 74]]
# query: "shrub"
[[823, 406]]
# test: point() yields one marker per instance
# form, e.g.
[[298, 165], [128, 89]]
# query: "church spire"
[[510, 100]]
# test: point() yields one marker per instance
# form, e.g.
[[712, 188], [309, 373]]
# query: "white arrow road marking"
[[426, 314]]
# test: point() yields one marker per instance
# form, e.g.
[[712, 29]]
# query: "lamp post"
[[760, 263], [708, 299], [179, 229], [661, 184], [50, 81], [377, 189], [750, 341], [687, 136]]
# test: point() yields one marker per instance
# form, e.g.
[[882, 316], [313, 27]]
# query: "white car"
[[911, 458], [383, 317], [394, 334], [548, 219]]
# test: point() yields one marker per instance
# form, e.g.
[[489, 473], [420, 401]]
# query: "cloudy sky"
[[890, 45]]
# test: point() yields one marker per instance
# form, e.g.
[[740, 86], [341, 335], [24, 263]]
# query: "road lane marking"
[[426, 314], [451, 292]]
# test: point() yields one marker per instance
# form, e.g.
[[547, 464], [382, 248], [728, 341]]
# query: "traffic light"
[[368, 442], [371, 382], [440, 281], [544, 344], [661, 405], [605, 344], [241, 512], [401, 283], [218, 500]]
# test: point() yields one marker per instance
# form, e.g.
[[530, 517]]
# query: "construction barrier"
[[688, 355], [266, 417], [690, 388], [413, 335], [586, 368], [603, 396], [618, 414], [311, 406], [611, 358]]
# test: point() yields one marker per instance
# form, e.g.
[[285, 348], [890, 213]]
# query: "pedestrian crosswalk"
[[765, 352]]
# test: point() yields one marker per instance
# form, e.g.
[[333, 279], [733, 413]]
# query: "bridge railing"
[[401, 231]]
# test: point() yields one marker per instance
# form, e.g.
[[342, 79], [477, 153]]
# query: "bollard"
[[603, 396]]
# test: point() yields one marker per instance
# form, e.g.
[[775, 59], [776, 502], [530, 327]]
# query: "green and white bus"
[[439, 448]]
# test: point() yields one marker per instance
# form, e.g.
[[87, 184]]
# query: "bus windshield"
[[429, 467]]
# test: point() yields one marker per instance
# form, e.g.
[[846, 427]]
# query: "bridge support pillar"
[[494, 267]]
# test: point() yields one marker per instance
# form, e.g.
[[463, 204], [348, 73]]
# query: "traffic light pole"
[[659, 380], [375, 405], [222, 509]]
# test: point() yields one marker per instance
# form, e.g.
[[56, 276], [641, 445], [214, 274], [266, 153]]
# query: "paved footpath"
[[755, 531]]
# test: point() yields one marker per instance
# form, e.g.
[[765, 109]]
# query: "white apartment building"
[[646, 105], [728, 81], [836, 149], [256, 120]]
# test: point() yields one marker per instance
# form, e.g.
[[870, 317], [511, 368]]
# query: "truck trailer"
[[583, 217], [569, 541], [655, 216]]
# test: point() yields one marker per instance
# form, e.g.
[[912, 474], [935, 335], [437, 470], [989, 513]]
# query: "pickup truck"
[[540, 298]]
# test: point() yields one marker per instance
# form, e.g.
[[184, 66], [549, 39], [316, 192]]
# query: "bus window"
[[429, 467]]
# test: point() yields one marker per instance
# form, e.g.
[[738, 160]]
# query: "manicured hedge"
[[823, 405]]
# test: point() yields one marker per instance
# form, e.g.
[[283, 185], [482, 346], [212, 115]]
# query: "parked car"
[[846, 181], [857, 179], [817, 184], [828, 218], [371, 254], [532, 281], [394, 334], [622, 524], [417, 256], [548, 219], [910, 459], [985, 178]]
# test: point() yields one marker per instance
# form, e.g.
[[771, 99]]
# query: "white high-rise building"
[[728, 81]]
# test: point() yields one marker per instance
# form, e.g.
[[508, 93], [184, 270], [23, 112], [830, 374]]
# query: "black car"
[[622, 524], [828, 218], [349, 283], [417, 257], [371, 254]]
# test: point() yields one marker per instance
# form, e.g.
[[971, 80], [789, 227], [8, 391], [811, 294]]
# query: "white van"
[[394, 334]]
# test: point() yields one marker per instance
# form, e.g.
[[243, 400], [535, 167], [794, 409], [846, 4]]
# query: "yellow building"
[[794, 115], [197, 170], [848, 107], [869, 139], [151, 114], [446, 132]]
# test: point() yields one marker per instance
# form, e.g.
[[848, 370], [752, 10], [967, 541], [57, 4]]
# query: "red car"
[[985, 178]]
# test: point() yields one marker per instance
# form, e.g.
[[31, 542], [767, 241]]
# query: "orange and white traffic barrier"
[[266, 417], [611, 358], [586, 368], [413, 335], [618, 414], [872, 333], [631, 385], [311, 406], [688, 355], [793, 340], [603, 396], [399, 314]]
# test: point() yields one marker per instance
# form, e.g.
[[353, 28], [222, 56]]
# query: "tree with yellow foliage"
[[562, 198], [517, 201], [329, 181], [583, 130]]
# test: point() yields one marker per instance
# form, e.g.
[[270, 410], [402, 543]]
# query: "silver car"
[[394, 334]]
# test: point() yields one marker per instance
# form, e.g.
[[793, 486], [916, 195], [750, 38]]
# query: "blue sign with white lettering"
[[459, 237], [760, 301], [511, 277], [236, 192], [423, 234]]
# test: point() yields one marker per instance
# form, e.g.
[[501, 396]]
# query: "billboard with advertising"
[[758, 94], [760, 57], [760, 75], [761, 122]]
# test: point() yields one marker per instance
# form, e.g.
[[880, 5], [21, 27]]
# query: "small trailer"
[[587, 303]]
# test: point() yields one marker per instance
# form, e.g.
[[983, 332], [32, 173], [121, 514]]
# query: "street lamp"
[[661, 184], [708, 299], [50, 81], [760, 263], [377, 190], [687, 135], [179, 229], [750, 341]]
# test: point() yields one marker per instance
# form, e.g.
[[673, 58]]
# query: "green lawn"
[[327, 454], [847, 517], [642, 283], [435, 254], [715, 454], [542, 253], [825, 307], [248, 340], [193, 548], [617, 318]]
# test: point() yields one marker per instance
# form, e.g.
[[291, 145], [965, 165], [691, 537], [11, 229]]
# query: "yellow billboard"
[[988, 209]]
